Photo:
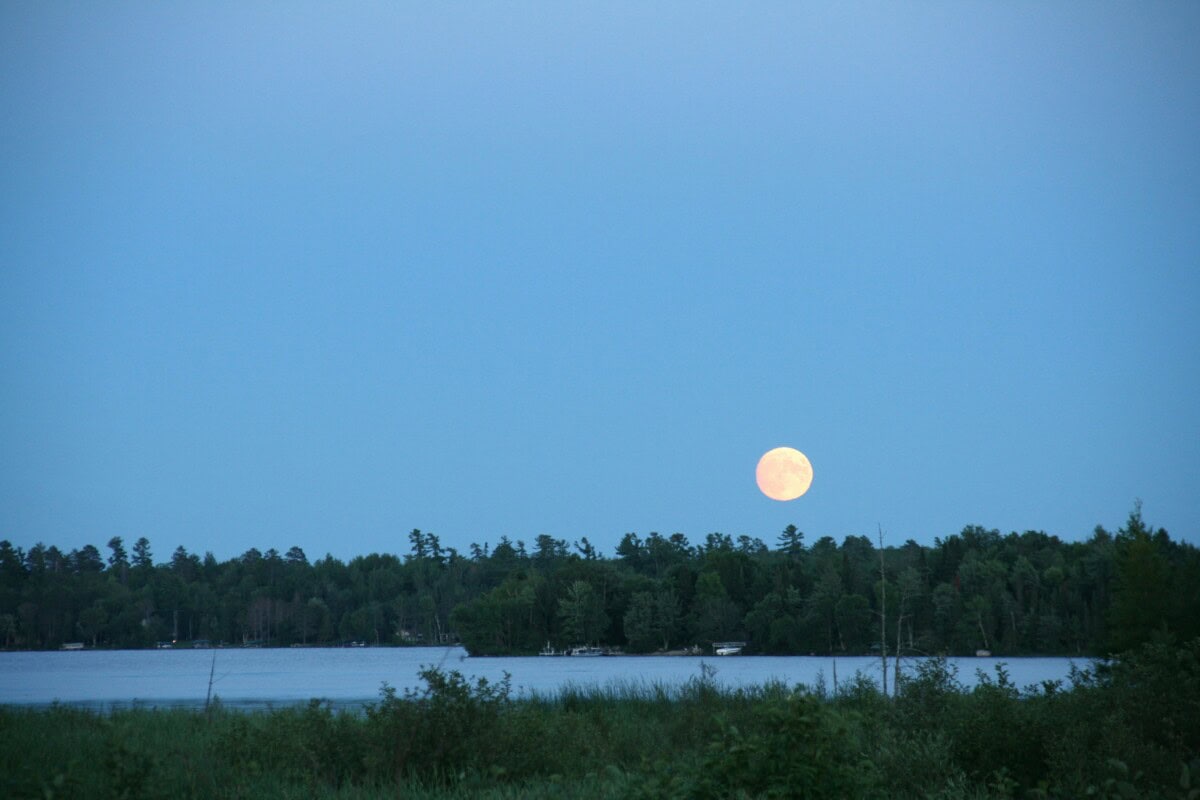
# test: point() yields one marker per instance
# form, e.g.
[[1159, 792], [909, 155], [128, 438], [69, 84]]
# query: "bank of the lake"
[[1130, 731]]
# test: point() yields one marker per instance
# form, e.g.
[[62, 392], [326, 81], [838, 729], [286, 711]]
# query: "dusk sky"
[[319, 274]]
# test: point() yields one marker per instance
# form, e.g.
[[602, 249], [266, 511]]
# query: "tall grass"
[[1129, 731]]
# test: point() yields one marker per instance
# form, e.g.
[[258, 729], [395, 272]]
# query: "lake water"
[[255, 678]]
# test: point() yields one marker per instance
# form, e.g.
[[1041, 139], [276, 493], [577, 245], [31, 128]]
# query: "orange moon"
[[783, 473]]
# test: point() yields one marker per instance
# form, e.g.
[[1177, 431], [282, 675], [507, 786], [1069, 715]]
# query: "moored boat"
[[586, 651]]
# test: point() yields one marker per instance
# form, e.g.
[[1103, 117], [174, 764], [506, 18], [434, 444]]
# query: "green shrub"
[[458, 738], [438, 732], [800, 748]]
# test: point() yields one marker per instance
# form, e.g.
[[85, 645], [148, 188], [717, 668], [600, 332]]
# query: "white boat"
[[728, 648], [548, 651], [586, 651]]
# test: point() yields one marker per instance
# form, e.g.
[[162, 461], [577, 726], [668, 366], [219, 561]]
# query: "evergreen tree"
[[791, 541]]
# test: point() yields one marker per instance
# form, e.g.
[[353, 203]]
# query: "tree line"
[[1014, 594]]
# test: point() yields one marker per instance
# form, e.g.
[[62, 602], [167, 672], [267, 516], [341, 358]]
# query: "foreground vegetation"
[[1014, 594], [1128, 729]]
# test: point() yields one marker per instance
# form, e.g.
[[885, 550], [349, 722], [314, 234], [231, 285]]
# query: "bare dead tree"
[[883, 614], [211, 671]]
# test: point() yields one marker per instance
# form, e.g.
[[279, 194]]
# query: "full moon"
[[783, 473]]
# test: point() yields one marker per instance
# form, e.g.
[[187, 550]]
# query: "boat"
[[72, 646], [728, 648], [548, 651], [586, 651], [983, 653]]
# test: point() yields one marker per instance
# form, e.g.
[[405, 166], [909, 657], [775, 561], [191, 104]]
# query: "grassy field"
[[1129, 731]]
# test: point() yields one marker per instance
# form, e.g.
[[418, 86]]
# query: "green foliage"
[[438, 732], [1129, 729], [1014, 594], [798, 747], [1141, 601], [582, 613]]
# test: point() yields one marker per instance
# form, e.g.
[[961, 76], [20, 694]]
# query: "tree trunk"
[[883, 615]]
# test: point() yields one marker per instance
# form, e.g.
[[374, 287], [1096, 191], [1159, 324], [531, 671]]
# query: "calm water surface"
[[351, 676]]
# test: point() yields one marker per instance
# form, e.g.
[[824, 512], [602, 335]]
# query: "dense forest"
[[1011, 594]]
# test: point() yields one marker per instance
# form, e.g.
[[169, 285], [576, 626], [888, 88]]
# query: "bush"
[[1128, 729], [799, 748], [438, 732]]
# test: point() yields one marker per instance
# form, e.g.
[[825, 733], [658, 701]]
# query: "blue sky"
[[319, 275]]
